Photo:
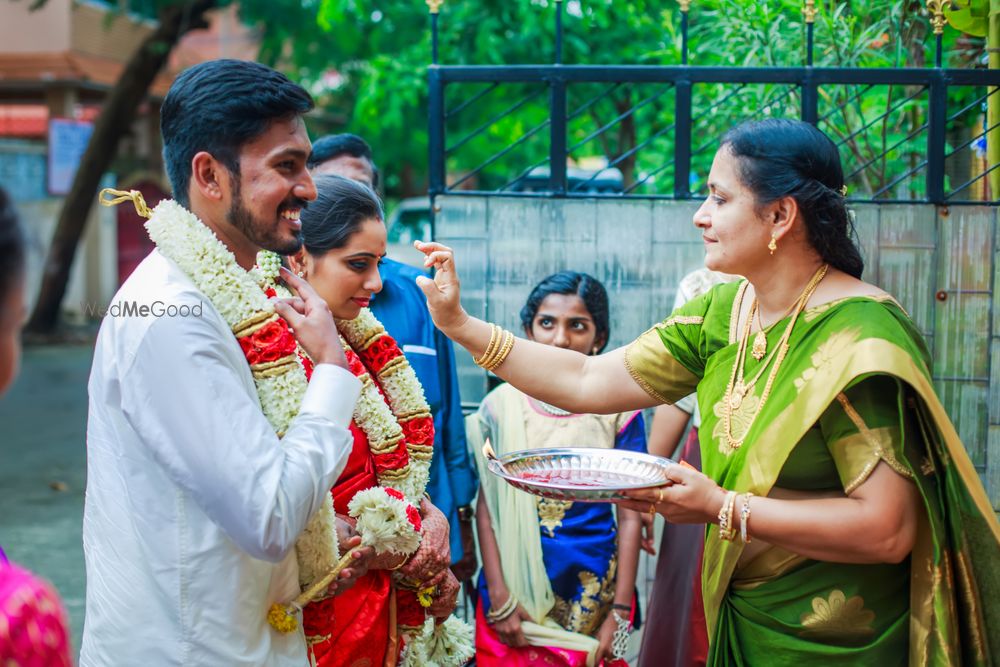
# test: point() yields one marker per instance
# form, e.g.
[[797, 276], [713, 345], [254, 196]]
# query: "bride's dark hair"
[[341, 207], [789, 158]]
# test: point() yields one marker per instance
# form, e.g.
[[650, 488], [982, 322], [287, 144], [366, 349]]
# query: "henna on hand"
[[434, 553], [446, 598]]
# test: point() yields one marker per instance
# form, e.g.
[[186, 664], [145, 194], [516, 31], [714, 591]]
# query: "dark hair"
[[341, 206], [334, 145], [218, 106], [779, 158], [589, 289], [11, 246]]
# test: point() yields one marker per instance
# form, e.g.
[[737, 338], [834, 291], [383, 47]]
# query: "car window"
[[410, 226]]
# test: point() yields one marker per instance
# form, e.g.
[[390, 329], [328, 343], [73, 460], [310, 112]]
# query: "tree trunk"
[[116, 117], [626, 139]]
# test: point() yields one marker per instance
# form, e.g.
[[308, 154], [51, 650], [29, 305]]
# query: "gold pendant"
[[759, 346], [736, 396]]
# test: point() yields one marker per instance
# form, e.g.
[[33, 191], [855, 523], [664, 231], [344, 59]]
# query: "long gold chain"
[[737, 389]]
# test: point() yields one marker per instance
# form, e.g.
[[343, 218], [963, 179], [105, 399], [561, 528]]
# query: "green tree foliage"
[[381, 51], [173, 19]]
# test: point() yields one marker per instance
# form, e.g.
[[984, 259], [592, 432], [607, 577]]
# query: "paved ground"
[[43, 469], [43, 474]]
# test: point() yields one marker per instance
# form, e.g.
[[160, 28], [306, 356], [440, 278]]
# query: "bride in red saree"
[[344, 240]]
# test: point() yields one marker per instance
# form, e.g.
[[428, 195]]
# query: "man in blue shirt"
[[402, 309]]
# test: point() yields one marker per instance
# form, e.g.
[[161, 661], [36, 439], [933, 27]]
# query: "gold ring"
[[659, 495], [652, 509]]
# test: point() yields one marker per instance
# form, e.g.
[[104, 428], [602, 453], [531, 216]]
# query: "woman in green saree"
[[852, 527]]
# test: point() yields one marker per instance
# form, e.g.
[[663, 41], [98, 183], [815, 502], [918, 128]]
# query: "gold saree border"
[[659, 367]]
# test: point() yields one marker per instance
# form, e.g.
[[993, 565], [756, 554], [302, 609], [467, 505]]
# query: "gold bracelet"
[[726, 531], [503, 351], [732, 519], [497, 351], [495, 336], [501, 356], [488, 359], [745, 518]]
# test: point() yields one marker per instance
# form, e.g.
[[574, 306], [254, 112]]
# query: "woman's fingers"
[[443, 291], [428, 247], [656, 494], [440, 259], [647, 534], [639, 506]]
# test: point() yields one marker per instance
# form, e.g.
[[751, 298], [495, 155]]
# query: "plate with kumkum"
[[579, 474]]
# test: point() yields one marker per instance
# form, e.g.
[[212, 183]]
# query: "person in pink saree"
[[32, 621]]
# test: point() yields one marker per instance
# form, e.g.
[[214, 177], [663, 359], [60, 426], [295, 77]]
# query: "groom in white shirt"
[[193, 503]]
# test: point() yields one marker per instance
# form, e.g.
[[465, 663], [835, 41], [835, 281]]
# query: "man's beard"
[[261, 234]]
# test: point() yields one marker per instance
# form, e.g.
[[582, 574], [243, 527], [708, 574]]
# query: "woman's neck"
[[778, 287]]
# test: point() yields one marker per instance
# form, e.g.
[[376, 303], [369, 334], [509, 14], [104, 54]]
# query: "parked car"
[[603, 181], [409, 221]]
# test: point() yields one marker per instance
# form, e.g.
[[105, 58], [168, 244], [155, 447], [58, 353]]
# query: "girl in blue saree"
[[558, 577]]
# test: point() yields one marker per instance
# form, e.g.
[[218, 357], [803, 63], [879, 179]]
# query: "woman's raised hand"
[[443, 291]]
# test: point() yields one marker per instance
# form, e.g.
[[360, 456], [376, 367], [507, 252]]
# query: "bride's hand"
[[443, 291]]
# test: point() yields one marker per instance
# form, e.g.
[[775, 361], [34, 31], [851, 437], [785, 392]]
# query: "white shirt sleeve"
[[188, 401]]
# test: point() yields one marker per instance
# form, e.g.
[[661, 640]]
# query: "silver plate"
[[581, 474]]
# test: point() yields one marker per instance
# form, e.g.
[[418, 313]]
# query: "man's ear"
[[209, 177]]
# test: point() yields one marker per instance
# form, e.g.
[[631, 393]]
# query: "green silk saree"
[[854, 390]]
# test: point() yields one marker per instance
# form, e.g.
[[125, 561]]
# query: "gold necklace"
[[760, 340], [738, 389]]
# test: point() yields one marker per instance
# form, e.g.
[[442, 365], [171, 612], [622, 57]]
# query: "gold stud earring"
[[773, 245]]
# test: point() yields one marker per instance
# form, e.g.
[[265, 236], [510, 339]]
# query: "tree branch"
[[116, 116]]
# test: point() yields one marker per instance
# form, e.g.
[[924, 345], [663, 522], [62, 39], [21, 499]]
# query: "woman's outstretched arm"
[[569, 380]]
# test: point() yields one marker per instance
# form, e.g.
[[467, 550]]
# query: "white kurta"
[[193, 504]]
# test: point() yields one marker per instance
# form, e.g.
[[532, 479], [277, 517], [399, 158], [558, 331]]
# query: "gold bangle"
[[500, 353], [498, 349], [501, 356], [731, 512], [726, 515], [496, 334], [745, 518]]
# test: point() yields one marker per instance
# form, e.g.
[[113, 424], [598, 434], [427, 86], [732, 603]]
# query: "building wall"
[[939, 263], [46, 29], [94, 277], [97, 32]]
